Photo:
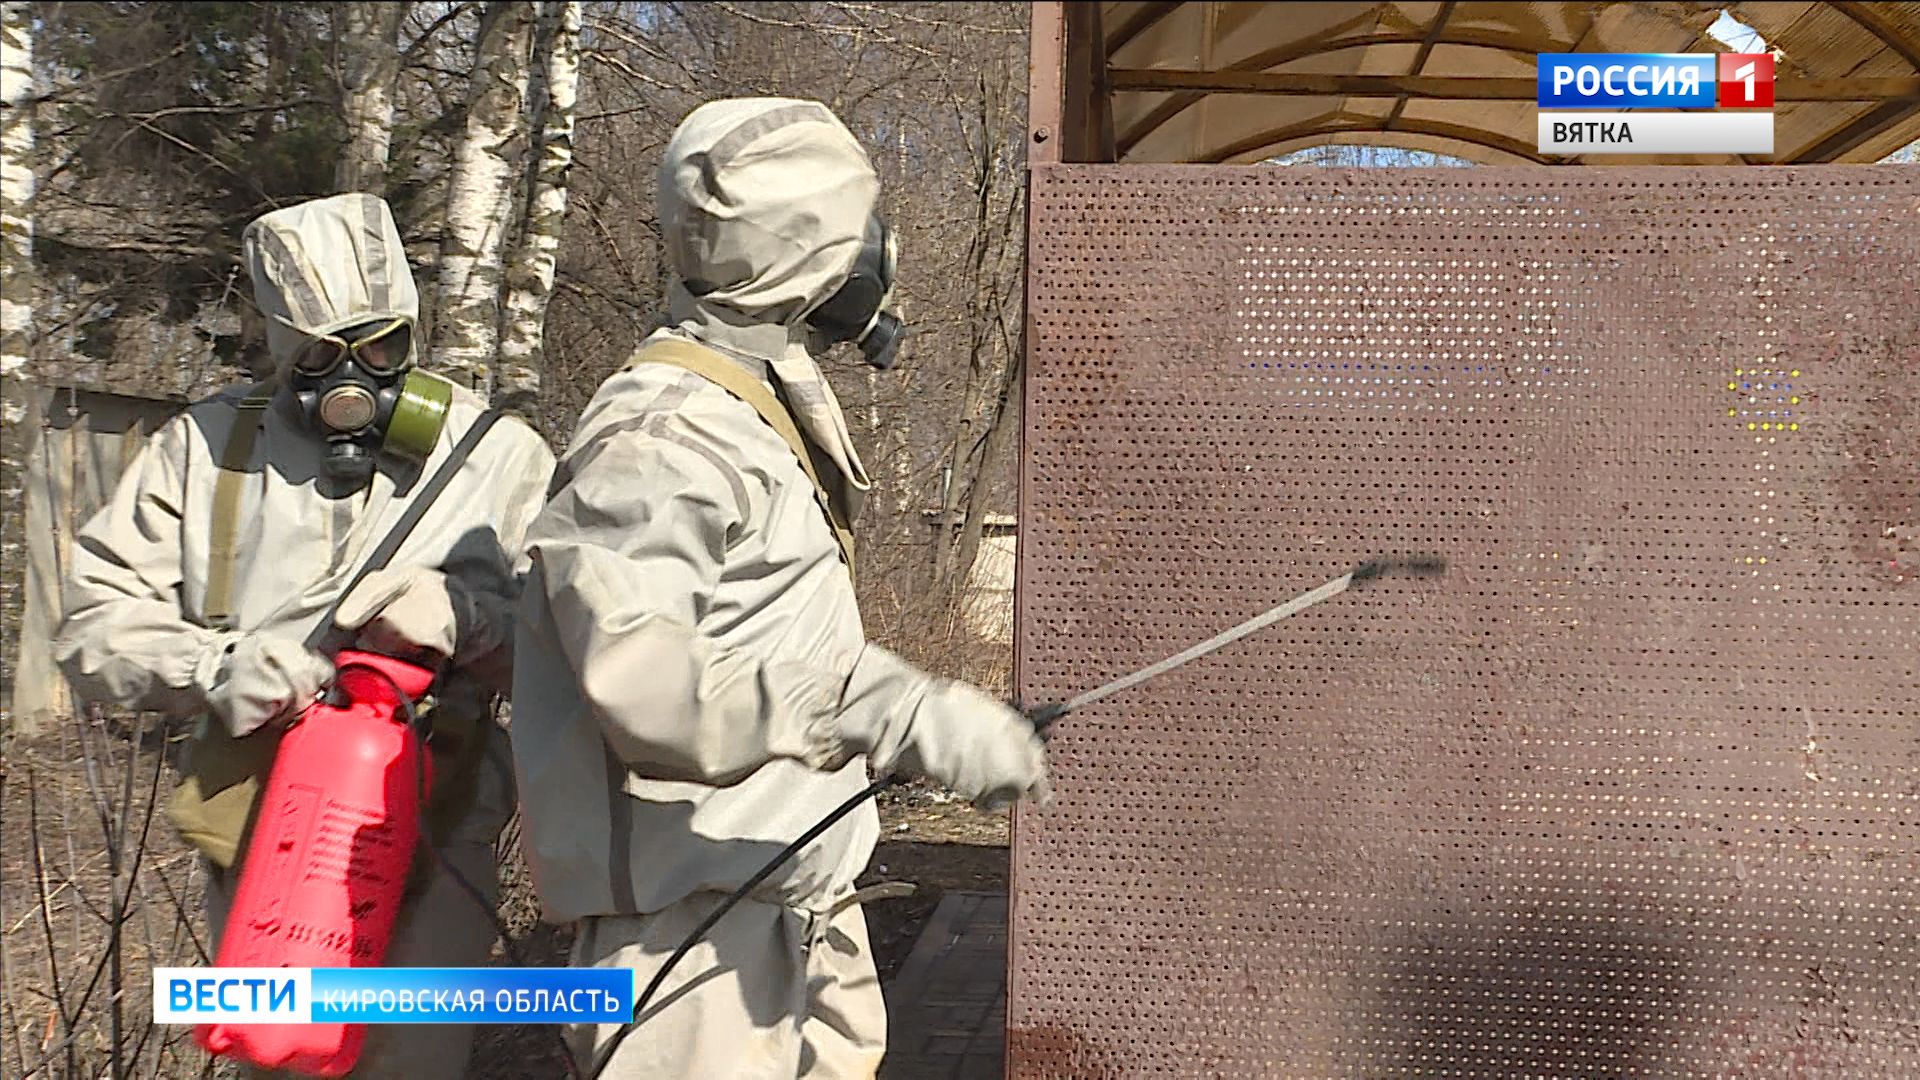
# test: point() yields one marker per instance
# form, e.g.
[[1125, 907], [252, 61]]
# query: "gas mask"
[[858, 311], [360, 393]]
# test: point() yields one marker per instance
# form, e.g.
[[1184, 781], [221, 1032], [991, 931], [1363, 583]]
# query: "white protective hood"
[[325, 265], [763, 203]]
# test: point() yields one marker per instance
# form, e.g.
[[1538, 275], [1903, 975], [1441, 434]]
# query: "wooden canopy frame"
[[1110, 81]]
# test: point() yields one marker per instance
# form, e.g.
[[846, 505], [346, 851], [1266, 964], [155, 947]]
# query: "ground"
[[937, 843]]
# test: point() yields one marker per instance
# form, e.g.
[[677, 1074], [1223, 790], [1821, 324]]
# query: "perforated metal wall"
[[1634, 791]]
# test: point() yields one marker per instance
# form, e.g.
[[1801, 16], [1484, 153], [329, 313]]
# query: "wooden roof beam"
[[1350, 126], [1334, 39], [1420, 59], [1847, 138], [1145, 18], [1873, 22], [1457, 88]]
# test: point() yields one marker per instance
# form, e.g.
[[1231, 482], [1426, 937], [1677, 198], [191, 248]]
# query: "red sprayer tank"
[[327, 866]]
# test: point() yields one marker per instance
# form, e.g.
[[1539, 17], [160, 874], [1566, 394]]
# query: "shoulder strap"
[[416, 509], [735, 380], [234, 458]]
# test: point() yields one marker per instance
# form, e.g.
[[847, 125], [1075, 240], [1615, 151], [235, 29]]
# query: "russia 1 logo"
[[1745, 80]]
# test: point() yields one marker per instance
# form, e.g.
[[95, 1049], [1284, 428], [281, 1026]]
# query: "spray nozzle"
[[1418, 566]]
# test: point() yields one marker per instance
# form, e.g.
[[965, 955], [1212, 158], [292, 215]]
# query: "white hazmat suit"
[[695, 685], [139, 632]]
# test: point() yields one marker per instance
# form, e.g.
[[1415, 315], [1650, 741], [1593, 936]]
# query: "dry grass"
[[95, 889]]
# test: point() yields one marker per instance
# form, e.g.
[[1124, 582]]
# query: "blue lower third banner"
[[392, 995]]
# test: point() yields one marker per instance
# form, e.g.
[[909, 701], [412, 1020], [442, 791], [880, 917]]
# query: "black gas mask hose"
[[1043, 718]]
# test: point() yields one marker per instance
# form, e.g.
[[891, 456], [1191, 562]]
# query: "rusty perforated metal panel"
[[1633, 790]]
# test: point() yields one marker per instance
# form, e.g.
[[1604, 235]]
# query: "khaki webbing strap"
[[234, 457], [735, 380], [881, 890]]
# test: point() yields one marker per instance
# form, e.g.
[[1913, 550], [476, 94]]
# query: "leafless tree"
[[160, 129]]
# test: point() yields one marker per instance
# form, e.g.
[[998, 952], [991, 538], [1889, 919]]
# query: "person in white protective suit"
[[695, 685], [243, 520]]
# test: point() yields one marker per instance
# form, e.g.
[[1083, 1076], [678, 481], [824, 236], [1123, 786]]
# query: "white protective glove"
[[405, 610], [906, 720], [251, 680]]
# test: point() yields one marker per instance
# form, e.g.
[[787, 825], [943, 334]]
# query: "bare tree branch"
[[93, 83], [623, 68], [433, 29]]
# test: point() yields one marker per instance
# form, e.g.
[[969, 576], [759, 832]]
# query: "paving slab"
[[947, 1006]]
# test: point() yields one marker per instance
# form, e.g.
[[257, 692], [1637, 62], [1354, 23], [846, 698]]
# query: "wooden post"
[[1046, 82], [1069, 113], [1088, 112]]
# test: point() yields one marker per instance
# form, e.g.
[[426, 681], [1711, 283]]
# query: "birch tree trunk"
[[18, 426], [530, 272], [369, 68], [16, 189], [480, 202]]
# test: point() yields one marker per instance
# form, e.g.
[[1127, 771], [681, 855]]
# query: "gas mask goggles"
[[358, 390], [858, 311]]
